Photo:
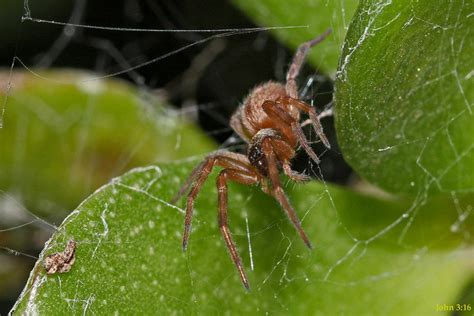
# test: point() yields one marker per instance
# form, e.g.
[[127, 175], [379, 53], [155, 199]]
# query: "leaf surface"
[[405, 95], [368, 257]]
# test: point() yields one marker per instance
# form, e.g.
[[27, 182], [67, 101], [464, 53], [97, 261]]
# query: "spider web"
[[16, 217]]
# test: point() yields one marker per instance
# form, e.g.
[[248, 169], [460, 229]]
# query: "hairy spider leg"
[[191, 178], [278, 114], [226, 155], [293, 175], [199, 176], [302, 106], [277, 190], [245, 177], [284, 152], [298, 59]]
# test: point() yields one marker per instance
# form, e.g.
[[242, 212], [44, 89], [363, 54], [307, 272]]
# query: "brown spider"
[[269, 121]]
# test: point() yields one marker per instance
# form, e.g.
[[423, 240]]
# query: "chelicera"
[[269, 121]]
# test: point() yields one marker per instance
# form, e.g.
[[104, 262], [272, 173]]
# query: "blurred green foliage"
[[63, 138], [316, 16]]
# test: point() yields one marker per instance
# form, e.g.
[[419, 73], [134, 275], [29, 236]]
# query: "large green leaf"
[[369, 257], [317, 15], [405, 94]]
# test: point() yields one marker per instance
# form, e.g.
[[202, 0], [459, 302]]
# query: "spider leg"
[[297, 62], [191, 178], [225, 155], [280, 116], [284, 153], [278, 192], [302, 106], [304, 143], [199, 176], [293, 175], [245, 177], [323, 114]]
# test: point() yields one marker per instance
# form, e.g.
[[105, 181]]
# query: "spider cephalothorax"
[[269, 121]]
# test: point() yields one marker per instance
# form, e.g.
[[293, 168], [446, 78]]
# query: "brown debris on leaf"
[[61, 262]]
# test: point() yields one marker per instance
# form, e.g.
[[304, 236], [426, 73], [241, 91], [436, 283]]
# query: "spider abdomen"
[[250, 116]]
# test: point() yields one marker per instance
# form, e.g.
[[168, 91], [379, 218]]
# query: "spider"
[[269, 121]]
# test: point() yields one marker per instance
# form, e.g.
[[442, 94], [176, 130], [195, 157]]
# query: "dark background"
[[207, 81]]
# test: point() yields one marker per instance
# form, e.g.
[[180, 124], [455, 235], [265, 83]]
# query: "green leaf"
[[318, 16], [369, 257], [405, 94], [66, 135]]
